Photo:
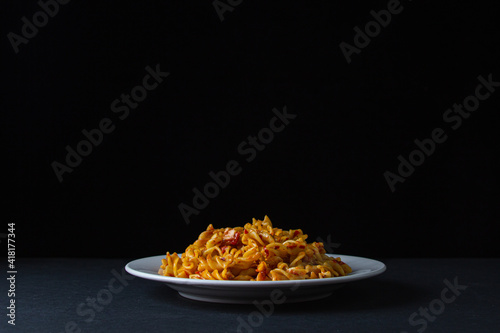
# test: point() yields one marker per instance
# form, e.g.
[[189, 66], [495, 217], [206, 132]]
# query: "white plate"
[[249, 291]]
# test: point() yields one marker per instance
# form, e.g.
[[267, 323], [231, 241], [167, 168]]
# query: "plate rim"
[[256, 284]]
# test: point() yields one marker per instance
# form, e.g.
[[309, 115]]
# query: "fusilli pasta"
[[255, 252]]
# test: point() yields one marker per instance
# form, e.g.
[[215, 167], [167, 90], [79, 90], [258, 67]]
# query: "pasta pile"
[[255, 252]]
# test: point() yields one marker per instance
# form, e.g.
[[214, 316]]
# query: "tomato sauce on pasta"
[[255, 252]]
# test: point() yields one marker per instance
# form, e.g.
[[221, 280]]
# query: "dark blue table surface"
[[413, 295]]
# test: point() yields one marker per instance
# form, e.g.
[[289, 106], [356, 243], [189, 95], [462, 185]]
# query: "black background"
[[323, 173]]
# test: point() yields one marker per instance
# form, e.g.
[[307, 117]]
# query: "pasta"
[[255, 252]]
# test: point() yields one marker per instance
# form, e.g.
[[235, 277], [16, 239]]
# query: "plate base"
[[226, 300]]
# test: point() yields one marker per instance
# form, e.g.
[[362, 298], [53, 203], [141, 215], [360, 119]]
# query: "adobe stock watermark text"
[[222, 6], [249, 149], [29, 29], [11, 273], [373, 28], [453, 117], [120, 106], [89, 309], [437, 306]]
